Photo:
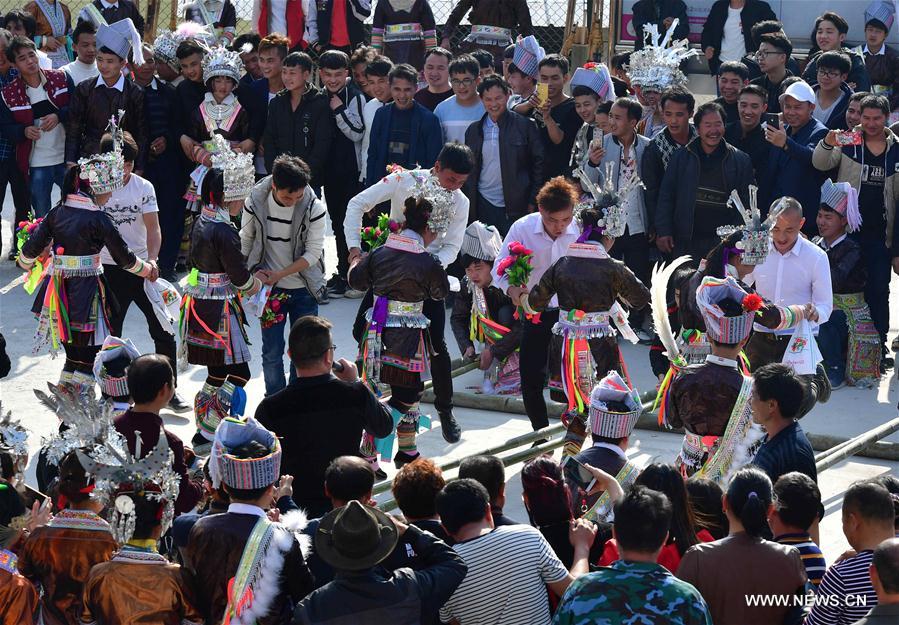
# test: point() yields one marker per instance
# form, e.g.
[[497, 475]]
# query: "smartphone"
[[31, 495], [598, 137], [542, 92], [772, 119], [849, 137], [577, 474], [337, 366]]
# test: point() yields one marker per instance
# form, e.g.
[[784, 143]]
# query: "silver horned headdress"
[[611, 201], [13, 436], [442, 201], [657, 66], [755, 242], [86, 421], [105, 173]]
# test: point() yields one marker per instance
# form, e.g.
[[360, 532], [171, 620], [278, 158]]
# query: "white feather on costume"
[[267, 585], [661, 275]]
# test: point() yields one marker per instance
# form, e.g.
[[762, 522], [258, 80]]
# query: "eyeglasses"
[[465, 82], [761, 55], [829, 73]]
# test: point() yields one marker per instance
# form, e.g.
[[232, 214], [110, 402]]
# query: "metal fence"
[[547, 16]]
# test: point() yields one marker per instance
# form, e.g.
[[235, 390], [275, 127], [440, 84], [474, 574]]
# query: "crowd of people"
[[748, 241]]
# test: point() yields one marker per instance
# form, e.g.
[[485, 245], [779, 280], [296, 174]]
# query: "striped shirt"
[[810, 554], [508, 570], [846, 593]]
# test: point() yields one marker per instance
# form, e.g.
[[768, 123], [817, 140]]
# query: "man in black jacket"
[[746, 132], [693, 197], [299, 120], [346, 36], [319, 416], [661, 13], [508, 160], [715, 33], [354, 539]]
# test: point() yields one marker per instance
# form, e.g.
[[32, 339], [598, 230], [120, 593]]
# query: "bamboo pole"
[[855, 445]]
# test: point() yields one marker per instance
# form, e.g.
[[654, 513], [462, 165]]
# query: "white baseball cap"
[[799, 91]]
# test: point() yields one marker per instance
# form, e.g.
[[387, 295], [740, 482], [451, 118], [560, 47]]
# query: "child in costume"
[[59, 555], [219, 113], [589, 284], [138, 584], [111, 371], [212, 317], [483, 313], [590, 86], [396, 348], [71, 302], [849, 342], [403, 30]]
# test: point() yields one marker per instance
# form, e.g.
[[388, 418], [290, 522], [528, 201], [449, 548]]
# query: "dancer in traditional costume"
[[614, 409], [492, 24], [137, 585], [589, 284], [396, 347], [212, 317], [111, 371], [849, 341], [71, 303], [218, 16], [219, 113], [483, 313], [244, 568], [59, 555], [403, 30]]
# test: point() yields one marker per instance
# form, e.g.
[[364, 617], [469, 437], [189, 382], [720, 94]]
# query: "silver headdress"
[[165, 46], [222, 62], [13, 436], [238, 169], [754, 244], [657, 66], [118, 475], [613, 202], [442, 201], [105, 173], [86, 420]]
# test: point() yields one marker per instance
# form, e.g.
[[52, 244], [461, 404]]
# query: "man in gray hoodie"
[[282, 237]]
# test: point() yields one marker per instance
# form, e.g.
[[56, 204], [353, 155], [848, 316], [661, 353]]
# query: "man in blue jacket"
[[403, 132], [790, 171]]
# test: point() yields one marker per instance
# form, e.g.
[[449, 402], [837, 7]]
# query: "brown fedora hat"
[[355, 537]]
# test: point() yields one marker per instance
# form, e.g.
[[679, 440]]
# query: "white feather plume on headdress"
[[661, 275]]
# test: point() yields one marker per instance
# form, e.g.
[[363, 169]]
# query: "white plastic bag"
[[254, 306], [802, 351], [166, 302]]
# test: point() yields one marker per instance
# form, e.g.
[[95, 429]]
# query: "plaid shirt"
[[7, 149]]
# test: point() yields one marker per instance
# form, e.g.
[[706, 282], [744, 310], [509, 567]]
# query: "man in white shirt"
[[454, 163], [282, 236], [547, 233], [379, 86], [796, 272], [134, 211], [84, 41]]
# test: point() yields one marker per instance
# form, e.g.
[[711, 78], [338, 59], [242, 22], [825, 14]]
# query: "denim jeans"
[[42, 181], [833, 337], [299, 303]]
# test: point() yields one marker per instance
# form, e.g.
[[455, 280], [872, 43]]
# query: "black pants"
[[128, 289], [338, 193], [633, 251], [239, 370], [12, 175], [493, 215], [80, 357], [441, 366], [534, 353], [169, 183]]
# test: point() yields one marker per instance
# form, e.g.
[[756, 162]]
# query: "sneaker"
[[895, 344], [324, 298], [643, 336], [450, 429], [836, 379], [822, 381], [11, 255], [200, 445], [178, 405], [351, 293], [338, 289], [380, 474], [332, 280], [402, 458]]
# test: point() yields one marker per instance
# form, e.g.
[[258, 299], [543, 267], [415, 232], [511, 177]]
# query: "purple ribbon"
[[585, 234], [379, 314], [728, 253]]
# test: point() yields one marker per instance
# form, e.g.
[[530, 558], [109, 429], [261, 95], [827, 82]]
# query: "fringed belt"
[[694, 449], [577, 324], [492, 35], [210, 286], [77, 266], [386, 313], [863, 345], [402, 32]]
